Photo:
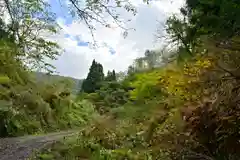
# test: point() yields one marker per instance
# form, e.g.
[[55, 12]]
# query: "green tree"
[[222, 18], [108, 77], [221, 24], [111, 76], [121, 75], [131, 70], [114, 78], [29, 20], [152, 58], [183, 36], [94, 78]]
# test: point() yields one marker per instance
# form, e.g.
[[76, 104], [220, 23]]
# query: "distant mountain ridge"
[[77, 83]]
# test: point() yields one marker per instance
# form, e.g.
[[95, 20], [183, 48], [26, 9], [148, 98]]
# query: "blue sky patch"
[[77, 38], [81, 43], [112, 51], [67, 35], [61, 10]]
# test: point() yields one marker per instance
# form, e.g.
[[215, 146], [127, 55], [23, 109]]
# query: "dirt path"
[[20, 148]]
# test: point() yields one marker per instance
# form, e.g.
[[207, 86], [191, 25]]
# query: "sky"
[[114, 51]]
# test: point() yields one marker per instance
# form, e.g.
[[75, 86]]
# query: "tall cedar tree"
[[94, 78], [114, 78], [111, 76]]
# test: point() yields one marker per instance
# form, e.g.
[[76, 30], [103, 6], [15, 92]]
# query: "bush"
[[110, 95], [29, 110]]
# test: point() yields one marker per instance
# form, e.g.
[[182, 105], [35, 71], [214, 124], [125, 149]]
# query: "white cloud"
[[77, 59], [169, 6]]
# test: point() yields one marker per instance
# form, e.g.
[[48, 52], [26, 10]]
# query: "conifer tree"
[[94, 78], [114, 78], [111, 76]]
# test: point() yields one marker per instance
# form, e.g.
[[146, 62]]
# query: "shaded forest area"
[[179, 102]]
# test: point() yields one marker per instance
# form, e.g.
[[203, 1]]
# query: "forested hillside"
[[180, 102], [74, 84]]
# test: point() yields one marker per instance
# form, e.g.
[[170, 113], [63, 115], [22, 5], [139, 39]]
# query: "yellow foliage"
[[173, 80], [4, 79], [181, 80]]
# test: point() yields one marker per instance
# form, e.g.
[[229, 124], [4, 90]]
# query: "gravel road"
[[21, 148]]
